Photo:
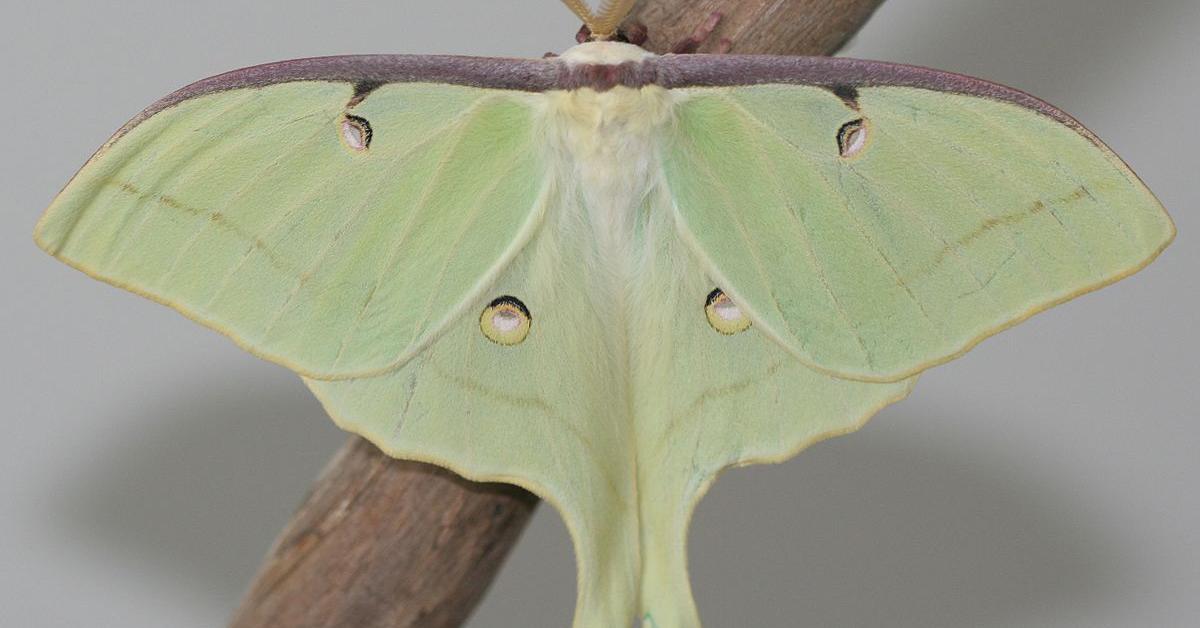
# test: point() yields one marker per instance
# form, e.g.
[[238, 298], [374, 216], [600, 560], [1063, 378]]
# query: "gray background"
[[1046, 479]]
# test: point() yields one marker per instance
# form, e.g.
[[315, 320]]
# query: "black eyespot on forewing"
[[357, 132], [852, 137]]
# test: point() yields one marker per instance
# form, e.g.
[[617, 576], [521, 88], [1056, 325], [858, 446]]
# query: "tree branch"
[[776, 27], [394, 544], [385, 543]]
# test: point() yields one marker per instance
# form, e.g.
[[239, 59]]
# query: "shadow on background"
[[890, 527], [198, 497]]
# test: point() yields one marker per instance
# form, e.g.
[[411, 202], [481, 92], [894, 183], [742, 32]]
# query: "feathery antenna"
[[603, 24]]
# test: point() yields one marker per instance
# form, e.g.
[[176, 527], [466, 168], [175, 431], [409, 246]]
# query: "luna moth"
[[605, 276]]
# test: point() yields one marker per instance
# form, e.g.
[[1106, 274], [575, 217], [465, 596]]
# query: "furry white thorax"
[[611, 141]]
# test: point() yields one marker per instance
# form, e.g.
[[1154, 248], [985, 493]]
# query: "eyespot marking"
[[356, 133], [852, 137], [725, 316], [505, 321]]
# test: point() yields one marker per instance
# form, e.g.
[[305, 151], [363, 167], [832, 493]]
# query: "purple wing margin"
[[670, 71]]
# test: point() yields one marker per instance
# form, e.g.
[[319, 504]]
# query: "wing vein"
[[814, 259], [148, 212], [308, 196], [845, 205], [476, 209], [1066, 172], [980, 211], [410, 220], [231, 201], [727, 194]]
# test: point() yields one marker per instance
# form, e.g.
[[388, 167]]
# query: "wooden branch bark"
[[775, 27], [383, 543]]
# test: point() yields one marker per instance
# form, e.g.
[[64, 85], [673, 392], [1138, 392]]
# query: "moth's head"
[[602, 17]]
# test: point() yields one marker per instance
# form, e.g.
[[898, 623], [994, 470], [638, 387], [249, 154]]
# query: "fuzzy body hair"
[[608, 143]]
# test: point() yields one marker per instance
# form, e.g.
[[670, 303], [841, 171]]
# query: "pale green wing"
[[372, 263], [547, 414], [251, 211], [958, 216], [621, 418], [707, 401]]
